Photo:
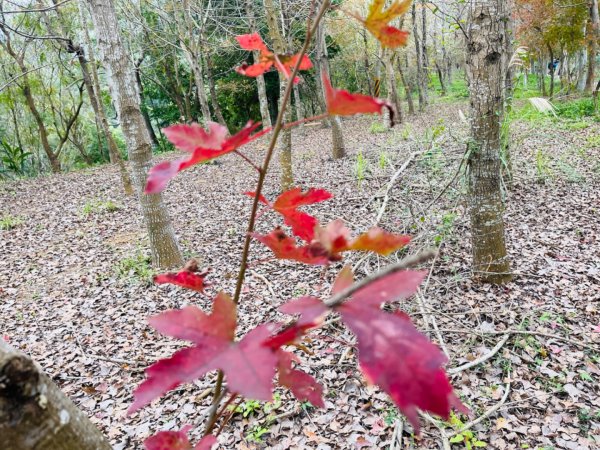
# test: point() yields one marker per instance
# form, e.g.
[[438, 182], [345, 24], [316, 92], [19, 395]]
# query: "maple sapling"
[[392, 353]]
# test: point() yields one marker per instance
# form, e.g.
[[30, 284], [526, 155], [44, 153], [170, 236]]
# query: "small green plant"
[[248, 408], [8, 222], [255, 435], [135, 267], [542, 166], [390, 417], [383, 160], [467, 437], [445, 228], [377, 127], [572, 174], [361, 167], [99, 206], [405, 133]]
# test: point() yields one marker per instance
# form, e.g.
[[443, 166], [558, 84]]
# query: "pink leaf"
[[303, 386], [284, 247], [287, 204], [194, 136], [397, 285], [193, 324], [400, 360], [177, 440], [311, 309], [205, 146], [252, 42]]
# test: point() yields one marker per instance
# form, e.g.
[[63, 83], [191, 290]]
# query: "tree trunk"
[[337, 137], [97, 105], [421, 86], [263, 100], [285, 140], [407, 89], [593, 45], [35, 414], [299, 108], [120, 73], [485, 47], [213, 91], [363, 31], [143, 109], [392, 90]]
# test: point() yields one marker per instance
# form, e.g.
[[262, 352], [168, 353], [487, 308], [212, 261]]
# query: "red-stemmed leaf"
[[395, 286], [267, 59], [177, 440], [193, 136], [261, 198], [329, 243], [344, 103], [289, 335], [185, 278], [378, 19], [194, 325], [311, 309], [287, 204], [400, 360], [379, 241], [202, 147], [303, 386], [285, 247]]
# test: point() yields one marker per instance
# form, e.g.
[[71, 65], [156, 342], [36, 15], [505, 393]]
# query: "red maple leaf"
[[303, 386], [185, 278], [400, 360], [267, 59], [311, 309], [202, 146], [343, 103], [330, 242], [177, 440], [287, 204]]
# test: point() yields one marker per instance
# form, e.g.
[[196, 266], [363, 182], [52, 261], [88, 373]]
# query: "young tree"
[[165, 252], [485, 48]]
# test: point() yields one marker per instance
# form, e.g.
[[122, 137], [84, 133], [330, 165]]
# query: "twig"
[[285, 415], [397, 435], [485, 415], [445, 441], [386, 198], [406, 263], [482, 358], [267, 283]]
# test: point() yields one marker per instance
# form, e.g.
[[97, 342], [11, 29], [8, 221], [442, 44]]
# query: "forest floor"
[[75, 290]]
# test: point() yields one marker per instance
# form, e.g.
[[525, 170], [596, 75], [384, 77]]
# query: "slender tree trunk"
[[285, 141], [485, 47], [421, 86], [35, 414], [593, 45], [94, 93], [337, 137], [120, 73], [407, 89], [392, 90], [213, 91], [263, 100], [299, 108], [366, 59], [140, 88]]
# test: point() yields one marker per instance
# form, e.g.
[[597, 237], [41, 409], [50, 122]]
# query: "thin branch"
[[48, 8], [481, 359]]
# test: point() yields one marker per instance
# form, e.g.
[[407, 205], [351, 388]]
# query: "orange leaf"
[[377, 22]]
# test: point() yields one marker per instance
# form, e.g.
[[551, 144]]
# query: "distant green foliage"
[[99, 207], [14, 161], [575, 109], [137, 267]]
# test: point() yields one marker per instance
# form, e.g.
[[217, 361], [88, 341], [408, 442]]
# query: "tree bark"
[[263, 100], [593, 45], [485, 48], [421, 85], [97, 105], [35, 414], [338, 149], [392, 90], [213, 90], [120, 73], [407, 89], [285, 140]]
